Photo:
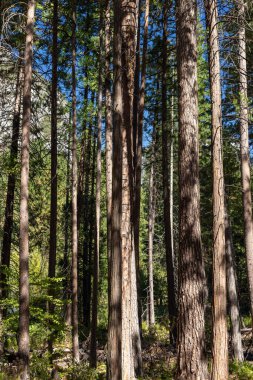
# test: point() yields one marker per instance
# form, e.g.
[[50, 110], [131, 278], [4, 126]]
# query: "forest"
[[126, 225]]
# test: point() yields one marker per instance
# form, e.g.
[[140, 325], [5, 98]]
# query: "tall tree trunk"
[[166, 193], [86, 223], [245, 156], [233, 300], [151, 225], [93, 344], [66, 272], [108, 135], [115, 304], [191, 362], [53, 206], [23, 342], [8, 215], [220, 346], [138, 148], [75, 339], [131, 352]]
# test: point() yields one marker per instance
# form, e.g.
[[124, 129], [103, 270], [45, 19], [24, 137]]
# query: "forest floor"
[[159, 359]]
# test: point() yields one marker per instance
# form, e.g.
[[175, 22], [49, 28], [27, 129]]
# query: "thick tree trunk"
[[108, 135], [75, 339], [245, 156], [93, 344], [220, 344], [232, 293], [131, 352], [23, 342], [53, 206], [166, 194], [151, 226], [191, 362], [115, 304]]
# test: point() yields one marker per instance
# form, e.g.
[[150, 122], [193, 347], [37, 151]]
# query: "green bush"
[[243, 371]]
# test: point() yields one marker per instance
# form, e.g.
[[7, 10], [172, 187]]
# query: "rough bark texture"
[[23, 341], [220, 344], [75, 339], [232, 293], [53, 205], [131, 352], [93, 344], [108, 133], [166, 192], [245, 157], [191, 362], [115, 306]]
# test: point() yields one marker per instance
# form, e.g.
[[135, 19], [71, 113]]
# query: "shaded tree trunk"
[[233, 300], [191, 362], [151, 225], [108, 135], [93, 344], [75, 339], [53, 205], [8, 215], [244, 143], [166, 193], [114, 359], [23, 341], [220, 346]]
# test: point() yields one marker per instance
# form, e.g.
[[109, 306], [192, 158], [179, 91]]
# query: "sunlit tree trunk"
[[220, 344], [23, 341], [191, 362], [244, 143], [75, 339]]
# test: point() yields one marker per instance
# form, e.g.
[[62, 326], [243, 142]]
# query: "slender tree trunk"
[[234, 309], [166, 193], [151, 225], [115, 304], [108, 135], [191, 362], [23, 341], [220, 346], [8, 215], [75, 339], [93, 344], [53, 210], [66, 272], [87, 206], [245, 156]]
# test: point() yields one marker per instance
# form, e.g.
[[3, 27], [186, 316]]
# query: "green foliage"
[[243, 371], [82, 371]]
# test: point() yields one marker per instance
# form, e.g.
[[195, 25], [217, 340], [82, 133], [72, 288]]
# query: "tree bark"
[[115, 304], [9, 206], [220, 346], [108, 135], [53, 206], [232, 293], [166, 194], [191, 362], [93, 344], [23, 341], [151, 225], [245, 156], [75, 339]]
